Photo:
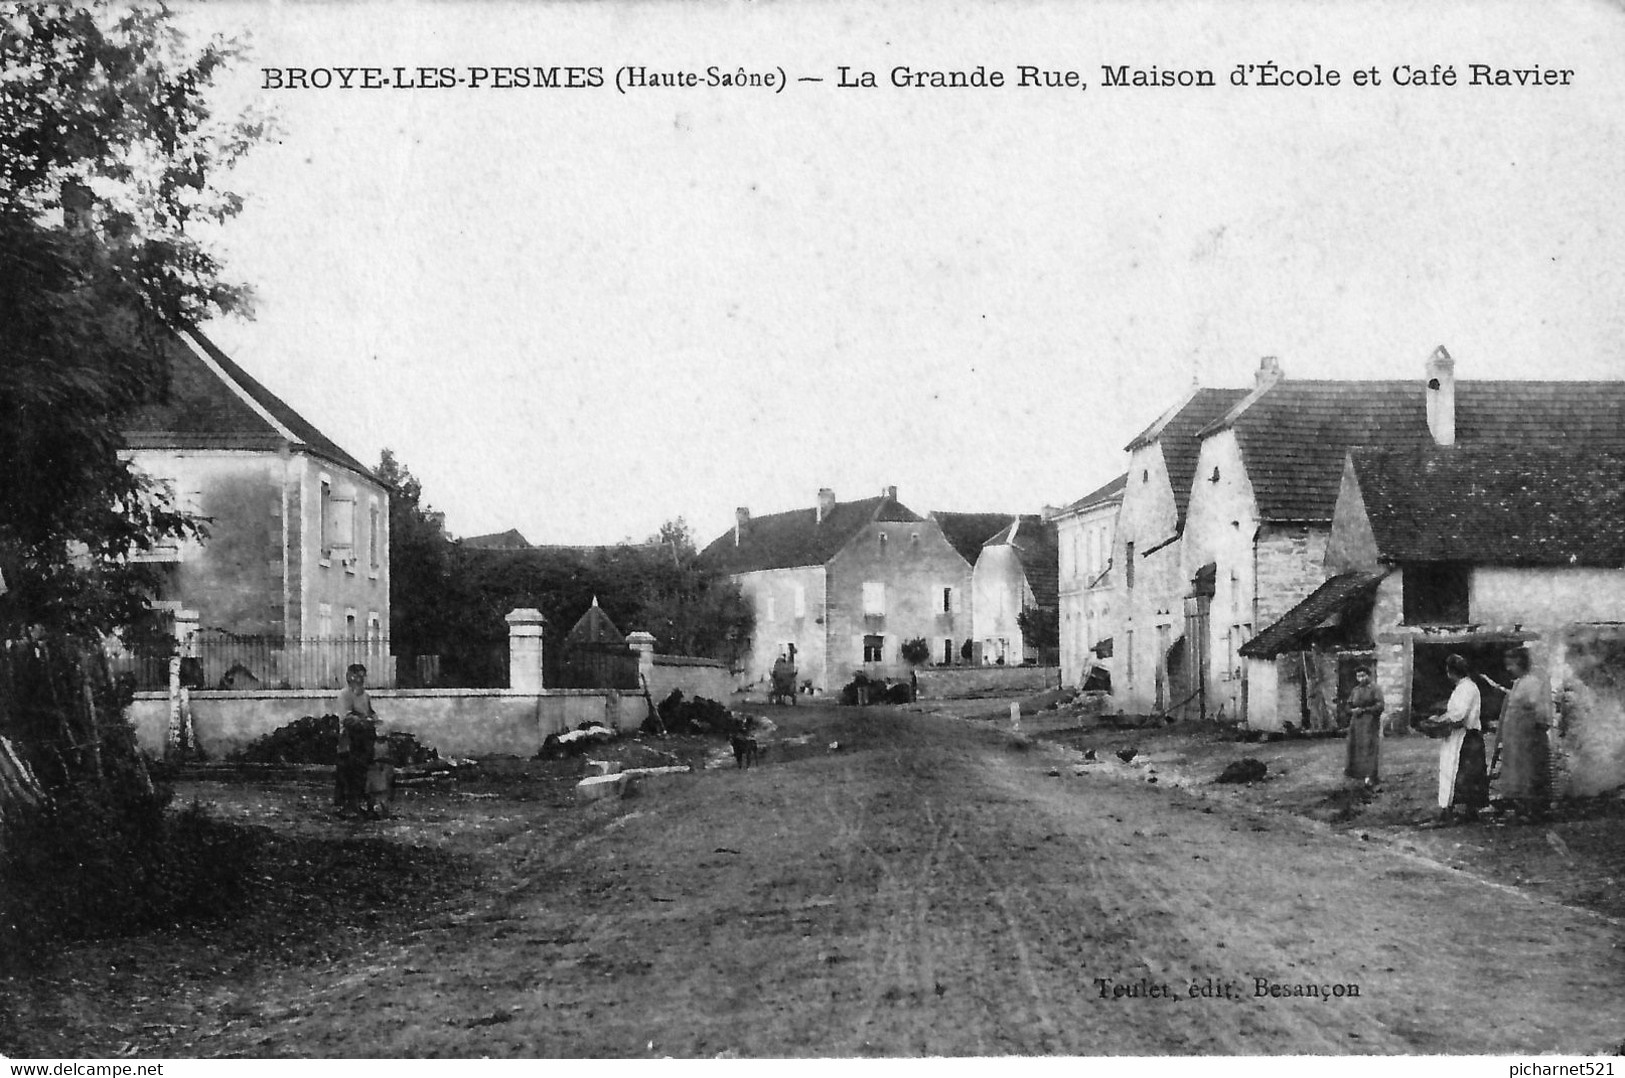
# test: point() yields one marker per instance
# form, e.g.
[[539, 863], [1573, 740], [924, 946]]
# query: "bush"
[[916, 652], [84, 869]]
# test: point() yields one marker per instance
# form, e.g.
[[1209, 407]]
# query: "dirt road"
[[929, 890]]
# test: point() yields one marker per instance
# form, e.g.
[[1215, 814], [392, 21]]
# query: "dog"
[[746, 750]]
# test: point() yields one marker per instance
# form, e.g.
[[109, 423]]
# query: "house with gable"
[[298, 530], [841, 586], [1149, 582], [1016, 570], [1474, 550], [1261, 506], [1083, 533]]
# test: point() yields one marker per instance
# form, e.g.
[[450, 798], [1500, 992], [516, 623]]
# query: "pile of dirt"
[[312, 740], [1247, 769], [698, 715]]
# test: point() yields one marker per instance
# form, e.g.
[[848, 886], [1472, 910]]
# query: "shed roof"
[[1292, 631], [1495, 505], [594, 627]]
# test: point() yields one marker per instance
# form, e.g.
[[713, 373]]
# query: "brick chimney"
[[1269, 372], [890, 493], [1441, 396], [826, 503], [741, 518]]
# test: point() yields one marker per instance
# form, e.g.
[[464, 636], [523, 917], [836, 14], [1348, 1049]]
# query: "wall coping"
[[688, 660], [380, 694]]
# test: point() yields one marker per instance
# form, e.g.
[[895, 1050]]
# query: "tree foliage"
[[108, 159], [1040, 626]]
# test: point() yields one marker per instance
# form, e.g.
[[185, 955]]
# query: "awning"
[[1297, 625]]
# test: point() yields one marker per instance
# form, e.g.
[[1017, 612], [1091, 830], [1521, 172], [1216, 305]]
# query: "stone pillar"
[[525, 627], [182, 738], [644, 644]]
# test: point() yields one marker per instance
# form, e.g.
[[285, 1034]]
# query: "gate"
[[599, 666]]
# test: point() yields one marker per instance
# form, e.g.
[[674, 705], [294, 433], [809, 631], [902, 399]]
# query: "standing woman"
[[1526, 754], [1463, 779], [1365, 724]]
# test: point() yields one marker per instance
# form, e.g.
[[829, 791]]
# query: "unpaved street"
[[930, 889]]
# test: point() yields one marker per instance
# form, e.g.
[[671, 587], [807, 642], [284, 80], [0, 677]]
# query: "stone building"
[[1272, 486], [1016, 571], [1474, 550], [1149, 582], [1084, 533], [841, 586], [298, 530]]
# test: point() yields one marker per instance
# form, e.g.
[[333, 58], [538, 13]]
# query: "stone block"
[[600, 787]]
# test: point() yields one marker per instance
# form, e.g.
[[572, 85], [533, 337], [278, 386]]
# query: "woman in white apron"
[[1463, 778]]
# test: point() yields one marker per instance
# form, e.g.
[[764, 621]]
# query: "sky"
[[583, 312]]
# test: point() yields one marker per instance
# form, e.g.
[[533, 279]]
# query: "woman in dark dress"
[[1364, 707]]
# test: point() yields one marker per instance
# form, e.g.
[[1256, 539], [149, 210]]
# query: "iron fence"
[[231, 661]]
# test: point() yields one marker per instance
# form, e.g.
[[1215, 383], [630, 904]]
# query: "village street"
[[928, 889]]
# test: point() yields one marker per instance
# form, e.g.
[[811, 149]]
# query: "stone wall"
[[950, 682], [456, 722], [694, 677]]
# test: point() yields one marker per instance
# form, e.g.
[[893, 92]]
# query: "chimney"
[[889, 493], [826, 503], [1269, 372], [1441, 396], [741, 518]]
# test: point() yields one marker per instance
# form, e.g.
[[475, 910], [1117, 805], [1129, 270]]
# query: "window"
[[349, 625], [769, 614], [326, 512], [882, 544], [1436, 593], [372, 535], [324, 620], [947, 652], [874, 600], [801, 600], [1128, 565], [947, 601], [874, 649]]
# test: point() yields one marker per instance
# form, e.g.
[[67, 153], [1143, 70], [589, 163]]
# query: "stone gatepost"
[[182, 737], [525, 628], [644, 644]]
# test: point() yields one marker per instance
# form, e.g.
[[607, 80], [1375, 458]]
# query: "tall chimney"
[[826, 503], [741, 518], [889, 493], [1441, 396], [1269, 372]]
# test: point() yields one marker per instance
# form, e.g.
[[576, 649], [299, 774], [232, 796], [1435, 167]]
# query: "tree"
[[691, 607], [424, 586], [1040, 627], [109, 162], [108, 159]]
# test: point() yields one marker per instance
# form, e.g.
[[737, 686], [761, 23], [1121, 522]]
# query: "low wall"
[[947, 682], [455, 722], [695, 677]]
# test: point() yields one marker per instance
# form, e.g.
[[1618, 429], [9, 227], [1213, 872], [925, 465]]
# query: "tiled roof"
[[1038, 549], [1295, 435], [1497, 506], [508, 540], [969, 532], [1112, 491], [201, 409], [1295, 626], [798, 538], [1179, 432]]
